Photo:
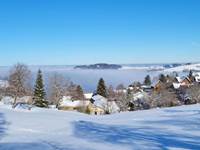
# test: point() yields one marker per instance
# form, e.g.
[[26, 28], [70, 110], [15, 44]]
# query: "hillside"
[[194, 67], [43, 129]]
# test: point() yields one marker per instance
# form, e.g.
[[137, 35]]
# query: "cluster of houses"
[[93, 104]]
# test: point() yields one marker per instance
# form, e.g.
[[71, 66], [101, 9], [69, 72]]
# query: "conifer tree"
[[101, 88], [147, 80], [39, 92], [129, 95], [163, 78], [79, 95], [80, 92], [190, 76]]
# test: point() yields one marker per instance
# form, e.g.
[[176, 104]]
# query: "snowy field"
[[43, 129]]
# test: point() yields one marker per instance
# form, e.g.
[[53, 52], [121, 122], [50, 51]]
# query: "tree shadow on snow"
[[3, 125], [37, 146], [134, 137]]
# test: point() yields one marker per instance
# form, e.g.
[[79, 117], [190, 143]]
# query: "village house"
[[157, 86], [182, 82], [147, 88], [88, 96], [197, 77], [66, 103], [139, 101], [139, 95], [99, 105]]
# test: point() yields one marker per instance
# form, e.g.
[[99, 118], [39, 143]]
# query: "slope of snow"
[[184, 67], [43, 129]]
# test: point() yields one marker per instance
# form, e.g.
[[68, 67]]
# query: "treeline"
[[20, 85]]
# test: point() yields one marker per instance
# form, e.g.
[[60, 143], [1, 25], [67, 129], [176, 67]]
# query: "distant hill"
[[185, 68], [99, 66]]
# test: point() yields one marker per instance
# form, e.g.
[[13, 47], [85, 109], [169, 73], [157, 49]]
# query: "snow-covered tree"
[[193, 93], [19, 84], [39, 92], [56, 88], [122, 101]]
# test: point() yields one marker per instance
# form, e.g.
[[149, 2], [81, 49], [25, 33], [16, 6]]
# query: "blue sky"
[[62, 32]]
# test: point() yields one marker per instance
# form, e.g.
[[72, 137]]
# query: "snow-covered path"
[[41, 129]]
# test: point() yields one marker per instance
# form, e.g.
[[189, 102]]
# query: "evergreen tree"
[[163, 78], [39, 92], [79, 93], [190, 76], [147, 80], [129, 95], [101, 88], [175, 74]]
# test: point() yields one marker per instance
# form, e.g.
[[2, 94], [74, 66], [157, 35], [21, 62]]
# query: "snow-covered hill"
[[43, 129], [195, 67]]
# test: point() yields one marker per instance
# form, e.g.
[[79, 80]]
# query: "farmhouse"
[[158, 85], [88, 96], [197, 77], [182, 82], [99, 105], [66, 103]]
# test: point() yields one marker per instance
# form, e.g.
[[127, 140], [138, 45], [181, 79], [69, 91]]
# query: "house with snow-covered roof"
[[66, 103], [157, 86], [88, 96], [100, 105], [182, 82], [197, 77]]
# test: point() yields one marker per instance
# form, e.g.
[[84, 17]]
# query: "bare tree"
[[164, 98], [19, 81], [122, 101], [57, 86], [193, 93], [111, 93]]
